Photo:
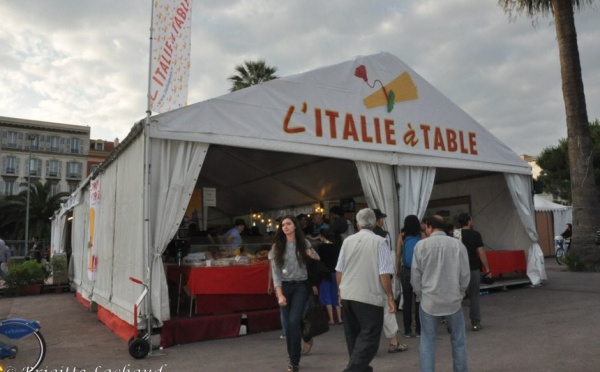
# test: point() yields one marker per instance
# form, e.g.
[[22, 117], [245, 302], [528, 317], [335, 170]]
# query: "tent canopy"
[[368, 127]]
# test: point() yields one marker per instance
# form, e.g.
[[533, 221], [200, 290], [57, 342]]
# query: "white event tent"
[[367, 127]]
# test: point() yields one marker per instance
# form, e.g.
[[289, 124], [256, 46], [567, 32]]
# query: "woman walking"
[[289, 256]]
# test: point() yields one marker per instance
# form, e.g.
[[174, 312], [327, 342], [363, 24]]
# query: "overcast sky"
[[86, 62]]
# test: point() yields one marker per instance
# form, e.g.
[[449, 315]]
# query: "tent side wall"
[[118, 239], [493, 211]]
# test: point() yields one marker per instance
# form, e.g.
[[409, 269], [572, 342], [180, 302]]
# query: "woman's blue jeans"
[[296, 294]]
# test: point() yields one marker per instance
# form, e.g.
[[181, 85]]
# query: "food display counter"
[[225, 289]]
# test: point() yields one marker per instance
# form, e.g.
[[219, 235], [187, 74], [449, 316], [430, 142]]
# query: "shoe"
[[418, 334], [293, 368], [409, 335], [307, 347], [282, 337], [476, 327], [397, 348]]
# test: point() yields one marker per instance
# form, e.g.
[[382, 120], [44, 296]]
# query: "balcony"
[[76, 176], [52, 174]]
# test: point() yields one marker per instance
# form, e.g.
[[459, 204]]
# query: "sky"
[[86, 62]]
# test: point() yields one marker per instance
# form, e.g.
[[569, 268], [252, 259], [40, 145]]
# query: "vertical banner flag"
[[95, 197], [170, 59]]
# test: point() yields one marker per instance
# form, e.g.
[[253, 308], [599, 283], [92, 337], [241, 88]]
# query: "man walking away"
[[474, 243], [363, 274], [440, 276]]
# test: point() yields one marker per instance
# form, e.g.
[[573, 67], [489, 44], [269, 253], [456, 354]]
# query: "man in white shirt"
[[440, 276]]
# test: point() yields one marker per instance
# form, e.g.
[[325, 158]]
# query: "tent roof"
[[373, 108], [544, 205]]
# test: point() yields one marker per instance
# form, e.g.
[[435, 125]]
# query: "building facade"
[[99, 150], [42, 151]]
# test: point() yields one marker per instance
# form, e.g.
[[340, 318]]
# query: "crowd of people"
[[436, 267]]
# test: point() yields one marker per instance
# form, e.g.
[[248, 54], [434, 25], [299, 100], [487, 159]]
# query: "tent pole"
[[146, 197]]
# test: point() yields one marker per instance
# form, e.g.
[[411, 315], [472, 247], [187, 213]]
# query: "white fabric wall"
[[175, 169], [79, 243], [129, 259], [492, 208]]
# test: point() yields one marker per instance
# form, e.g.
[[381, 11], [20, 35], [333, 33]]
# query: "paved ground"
[[554, 327]]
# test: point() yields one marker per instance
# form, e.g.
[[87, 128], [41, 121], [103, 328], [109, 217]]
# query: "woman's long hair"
[[281, 240], [412, 226]]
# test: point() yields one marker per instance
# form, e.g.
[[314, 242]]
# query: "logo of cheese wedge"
[[400, 89]]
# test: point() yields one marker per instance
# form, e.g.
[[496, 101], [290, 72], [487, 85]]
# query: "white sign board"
[[209, 196]]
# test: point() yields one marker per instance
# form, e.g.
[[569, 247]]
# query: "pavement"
[[553, 327]]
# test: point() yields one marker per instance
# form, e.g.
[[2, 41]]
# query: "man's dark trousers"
[[362, 326]]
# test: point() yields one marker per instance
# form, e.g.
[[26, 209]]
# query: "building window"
[[54, 188], [73, 186], [8, 187], [74, 169], [53, 170], [33, 141], [54, 143], [76, 146], [99, 146], [12, 140], [11, 165], [35, 167]]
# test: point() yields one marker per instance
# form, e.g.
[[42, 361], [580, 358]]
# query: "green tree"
[[42, 206], [586, 205], [554, 161], [251, 73]]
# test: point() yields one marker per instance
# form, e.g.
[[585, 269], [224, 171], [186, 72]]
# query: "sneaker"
[[409, 335], [282, 337], [477, 327]]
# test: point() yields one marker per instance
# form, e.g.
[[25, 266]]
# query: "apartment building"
[[42, 151]]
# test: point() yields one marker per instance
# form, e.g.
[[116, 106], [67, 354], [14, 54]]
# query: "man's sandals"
[[397, 348]]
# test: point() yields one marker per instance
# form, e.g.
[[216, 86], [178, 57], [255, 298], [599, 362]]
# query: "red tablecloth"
[[228, 289], [252, 279], [502, 262]]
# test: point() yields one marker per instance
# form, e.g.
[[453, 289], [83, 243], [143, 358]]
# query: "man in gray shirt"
[[440, 276]]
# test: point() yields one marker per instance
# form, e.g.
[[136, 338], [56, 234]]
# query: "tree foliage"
[[584, 192], [42, 206], [554, 161], [251, 73]]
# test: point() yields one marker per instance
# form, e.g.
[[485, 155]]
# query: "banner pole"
[[146, 196]]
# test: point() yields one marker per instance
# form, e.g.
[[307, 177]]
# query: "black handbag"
[[315, 321]]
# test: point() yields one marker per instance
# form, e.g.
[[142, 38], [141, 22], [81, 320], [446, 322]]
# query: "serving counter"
[[227, 289]]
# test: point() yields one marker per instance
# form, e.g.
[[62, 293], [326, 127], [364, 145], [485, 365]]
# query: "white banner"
[[171, 44], [95, 198]]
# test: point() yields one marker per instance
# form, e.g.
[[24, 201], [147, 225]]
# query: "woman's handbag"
[[315, 321]]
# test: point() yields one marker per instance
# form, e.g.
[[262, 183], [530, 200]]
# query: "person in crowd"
[[37, 249], [289, 256], [306, 228], [568, 232], [440, 276], [233, 236], [390, 324], [319, 225], [4, 256], [363, 276], [407, 240], [474, 243]]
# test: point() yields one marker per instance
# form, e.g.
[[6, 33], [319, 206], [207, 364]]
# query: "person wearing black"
[[36, 249], [568, 232], [474, 243]]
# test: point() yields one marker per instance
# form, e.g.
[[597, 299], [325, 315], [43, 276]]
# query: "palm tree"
[[251, 73], [42, 206], [586, 205]]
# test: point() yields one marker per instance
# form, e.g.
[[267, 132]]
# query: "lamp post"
[[30, 138]]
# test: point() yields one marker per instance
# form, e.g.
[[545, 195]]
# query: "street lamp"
[[30, 138]]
